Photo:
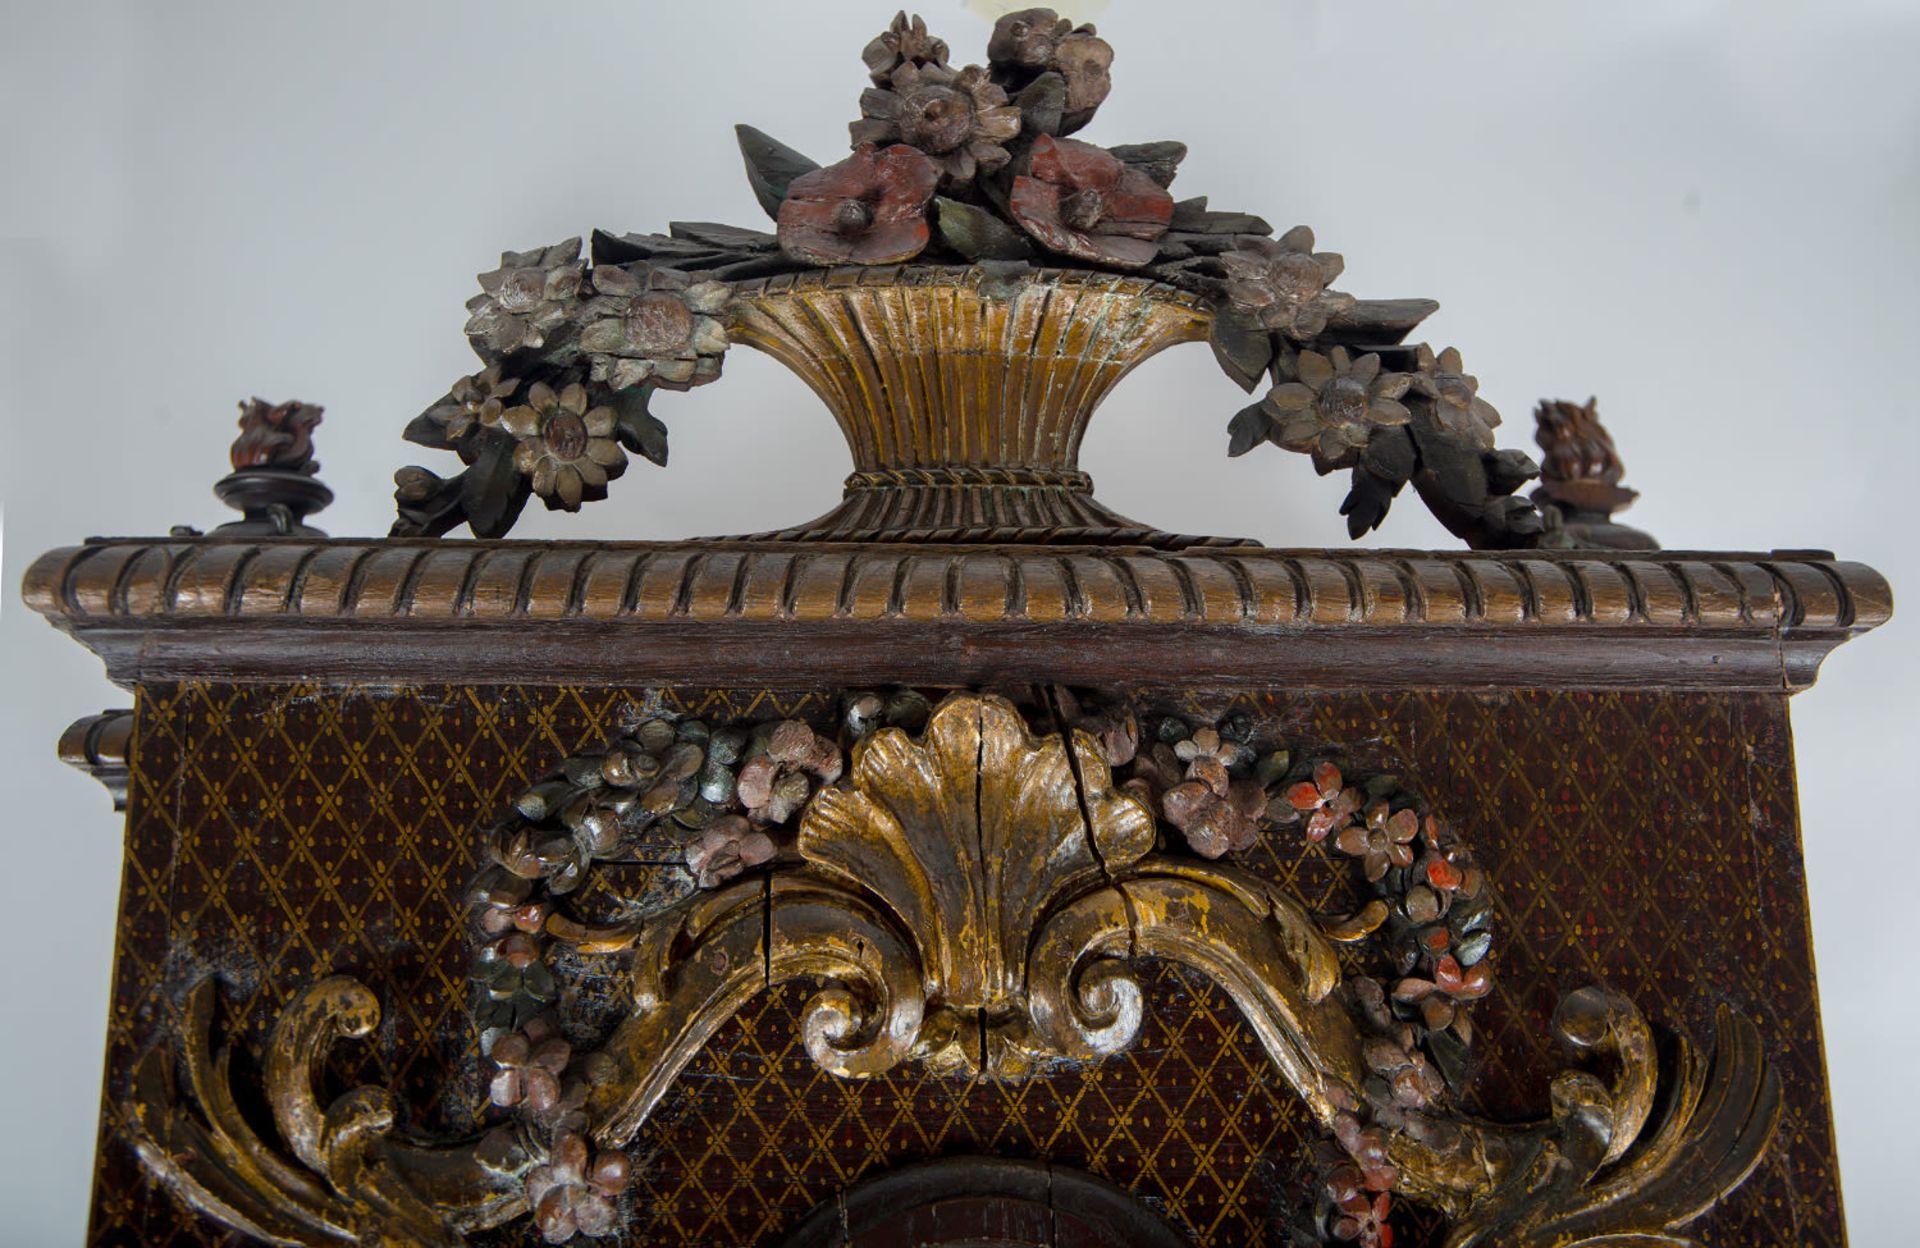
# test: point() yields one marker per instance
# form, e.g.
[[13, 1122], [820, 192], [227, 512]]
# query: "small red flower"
[[1330, 804], [1440, 996], [1364, 1221], [871, 208], [1080, 201]]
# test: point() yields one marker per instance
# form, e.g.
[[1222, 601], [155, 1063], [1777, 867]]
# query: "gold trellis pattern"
[[278, 833]]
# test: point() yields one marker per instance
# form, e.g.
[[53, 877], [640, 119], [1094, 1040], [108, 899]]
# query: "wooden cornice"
[[798, 614]]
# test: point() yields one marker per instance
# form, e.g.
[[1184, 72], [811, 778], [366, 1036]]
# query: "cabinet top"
[[799, 614]]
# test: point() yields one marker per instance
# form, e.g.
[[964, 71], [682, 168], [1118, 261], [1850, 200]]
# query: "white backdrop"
[[1705, 213]]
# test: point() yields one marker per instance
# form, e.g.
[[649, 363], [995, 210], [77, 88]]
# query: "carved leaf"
[[771, 166]]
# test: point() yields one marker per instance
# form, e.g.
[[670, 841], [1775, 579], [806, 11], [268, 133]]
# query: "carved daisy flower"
[[526, 298], [565, 448], [961, 120], [1282, 283], [1457, 404], [905, 42], [1335, 404], [640, 332]]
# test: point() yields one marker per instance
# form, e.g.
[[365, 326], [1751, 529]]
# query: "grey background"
[[1705, 213]]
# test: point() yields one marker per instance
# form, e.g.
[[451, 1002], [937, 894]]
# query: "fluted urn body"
[[964, 393]]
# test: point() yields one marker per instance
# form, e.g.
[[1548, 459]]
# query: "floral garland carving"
[[967, 166], [973, 882]]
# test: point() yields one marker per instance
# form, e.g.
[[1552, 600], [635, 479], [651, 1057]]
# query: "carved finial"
[[272, 483], [1580, 475], [276, 435]]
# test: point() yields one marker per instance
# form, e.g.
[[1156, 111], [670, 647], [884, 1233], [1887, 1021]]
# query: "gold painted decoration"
[[348, 1180], [973, 885]]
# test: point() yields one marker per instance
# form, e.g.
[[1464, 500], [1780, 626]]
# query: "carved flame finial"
[[272, 483], [277, 436], [1580, 476]]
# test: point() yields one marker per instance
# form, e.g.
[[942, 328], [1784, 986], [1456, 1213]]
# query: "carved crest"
[[978, 896]]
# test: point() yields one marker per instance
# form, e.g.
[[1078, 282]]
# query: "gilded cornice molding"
[[158, 609]]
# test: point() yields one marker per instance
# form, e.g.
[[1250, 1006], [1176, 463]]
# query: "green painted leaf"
[[978, 234], [1247, 430], [493, 491], [1243, 347], [638, 429], [424, 430], [771, 167]]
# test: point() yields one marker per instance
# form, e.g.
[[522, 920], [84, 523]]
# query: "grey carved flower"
[[1457, 404], [1335, 403], [529, 296], [961, 120], [1025, 40], [638, 331], [1282, 283], [1029, 43], [905, 42], [564, 447], [474, 402]]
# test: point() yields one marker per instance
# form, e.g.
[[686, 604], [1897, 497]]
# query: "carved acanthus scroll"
[[978, 896]]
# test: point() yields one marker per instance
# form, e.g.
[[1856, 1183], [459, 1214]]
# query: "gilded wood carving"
[[974, 892], [969, 176]]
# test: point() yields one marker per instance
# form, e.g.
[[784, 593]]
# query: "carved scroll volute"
[[968, 834], [1254, 942]]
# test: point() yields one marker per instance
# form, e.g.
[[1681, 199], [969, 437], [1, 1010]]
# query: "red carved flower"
[[1363, 1220], [1331, 805], [1385, 839], [871, 208], [1080, 201], [1438, 997]]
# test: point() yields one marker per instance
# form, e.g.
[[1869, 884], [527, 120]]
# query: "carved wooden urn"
[[970, 865], [964, 395]]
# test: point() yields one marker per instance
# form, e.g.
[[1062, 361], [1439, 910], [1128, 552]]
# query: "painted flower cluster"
[[1220, 787], [717, 798], [958, 164]]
